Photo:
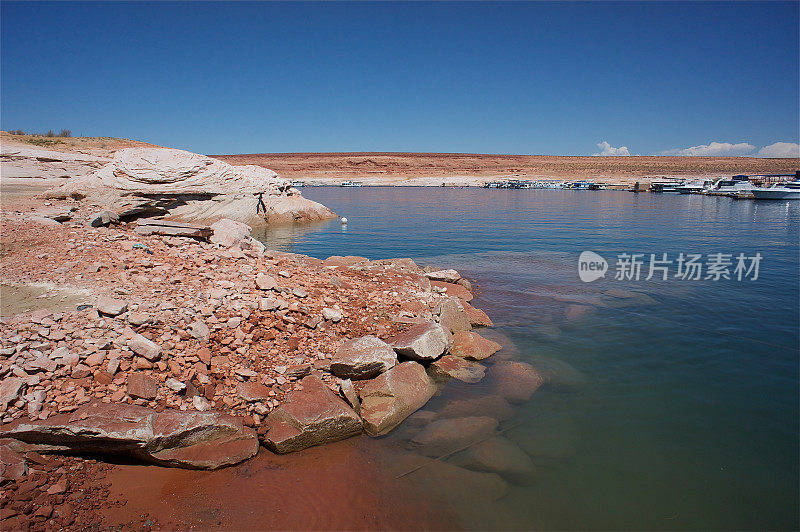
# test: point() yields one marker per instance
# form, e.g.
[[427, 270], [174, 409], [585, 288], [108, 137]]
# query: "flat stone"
[[423, 341], [453, 367], [332, 314], [516, 381], [173, 438], [266, 282], [445, 436], [199, 330], [141, 386], [144, 347], [10, 389], [138, 319], [311, 416], [111, 307], [175, 385], [447, 276], [252, 391], [393, 396], [363, 358], [471, 345]]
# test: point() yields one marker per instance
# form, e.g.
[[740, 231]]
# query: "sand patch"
[[17, 298]]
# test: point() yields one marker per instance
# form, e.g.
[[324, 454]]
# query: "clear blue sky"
[[536, 78]]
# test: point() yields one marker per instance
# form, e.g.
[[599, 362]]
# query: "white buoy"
[[344, 220]]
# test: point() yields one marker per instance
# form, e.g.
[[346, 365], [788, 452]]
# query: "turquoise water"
[[679, 404]]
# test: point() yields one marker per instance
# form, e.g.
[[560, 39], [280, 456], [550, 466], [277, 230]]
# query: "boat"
[[778, 191], [493, 184], [664, 187], [695, 187], [351, 184], [737, 185], [297, 183]]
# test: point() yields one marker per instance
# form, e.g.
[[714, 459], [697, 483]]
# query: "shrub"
[[65, 133], [50, 134], [17, 132]]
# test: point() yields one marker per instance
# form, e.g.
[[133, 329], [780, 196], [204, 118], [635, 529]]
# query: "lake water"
[[679, 400]]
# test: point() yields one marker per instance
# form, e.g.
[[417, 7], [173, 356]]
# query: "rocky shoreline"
[[189, 353]]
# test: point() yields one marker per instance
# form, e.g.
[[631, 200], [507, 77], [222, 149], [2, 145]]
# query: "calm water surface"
[[678, 407]]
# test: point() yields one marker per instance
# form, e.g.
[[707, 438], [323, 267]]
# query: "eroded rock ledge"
[[190, 187]]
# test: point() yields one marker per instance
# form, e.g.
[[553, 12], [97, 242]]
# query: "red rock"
[[467, 344], [477, 317], [251, 391], [311, 416], [142, 386]]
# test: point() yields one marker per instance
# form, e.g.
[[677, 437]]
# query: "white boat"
[[737, 185], [695, 187], [779, 191], [298, 183], [351, 184]]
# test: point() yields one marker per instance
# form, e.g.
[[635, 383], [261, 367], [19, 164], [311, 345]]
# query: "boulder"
[[191, 440], [144, 347], [447, 276], [228, 232], [332, 314], [445, 436], [453, 317], [362, 358], [141, 386], [423, 341], [453, 367], [393, 396], [516, 381], [498, 455], [467, 344], [311, 416], [477, 317], [190, 187], [108, 306]]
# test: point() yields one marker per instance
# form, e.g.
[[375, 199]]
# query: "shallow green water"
[[679, 405]]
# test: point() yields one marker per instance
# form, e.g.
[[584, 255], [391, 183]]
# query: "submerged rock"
[[423, 341], [493, 406], [453, 367], [498, 455], [393, 396], [445, 436], [311, 416], [363, 358], [467, 344], [191, 440], [516, 381]]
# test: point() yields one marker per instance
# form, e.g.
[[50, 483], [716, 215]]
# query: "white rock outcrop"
[[191, 187]]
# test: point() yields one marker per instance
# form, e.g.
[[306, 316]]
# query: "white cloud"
[[607, 150], [781, 149], [713, 149]]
